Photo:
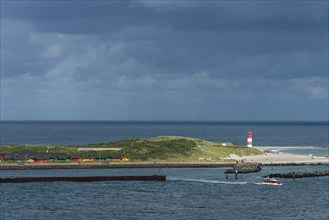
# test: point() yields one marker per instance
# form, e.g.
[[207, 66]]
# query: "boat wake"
[[207, 181]]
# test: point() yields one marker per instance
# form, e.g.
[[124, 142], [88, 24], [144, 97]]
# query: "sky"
[[164, 60]]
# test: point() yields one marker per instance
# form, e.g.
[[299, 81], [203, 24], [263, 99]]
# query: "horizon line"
[[161, 121]]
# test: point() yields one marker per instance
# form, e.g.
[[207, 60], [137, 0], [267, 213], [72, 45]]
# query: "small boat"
[[270, 181]]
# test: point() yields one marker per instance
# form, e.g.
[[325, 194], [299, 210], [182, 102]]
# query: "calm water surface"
[[187, 194]]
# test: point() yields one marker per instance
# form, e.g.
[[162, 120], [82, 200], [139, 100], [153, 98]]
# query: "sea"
[[188, 193]]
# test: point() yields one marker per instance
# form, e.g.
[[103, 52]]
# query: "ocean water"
[[84, 132], [199, 193], [202, 193]]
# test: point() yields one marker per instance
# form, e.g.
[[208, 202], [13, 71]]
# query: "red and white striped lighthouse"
[[249, 139]]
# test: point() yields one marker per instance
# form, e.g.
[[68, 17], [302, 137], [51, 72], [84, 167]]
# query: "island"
[[154, 150], [162, 151]]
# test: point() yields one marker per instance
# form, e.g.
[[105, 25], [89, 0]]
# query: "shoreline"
[[279, 158], [151, 165], [116, 165], [267, 147], [266, 159]]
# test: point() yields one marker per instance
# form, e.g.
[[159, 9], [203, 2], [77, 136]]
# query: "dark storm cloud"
[[79, 17], [102, 16], [221, 32], [262, 16], [119, 56]]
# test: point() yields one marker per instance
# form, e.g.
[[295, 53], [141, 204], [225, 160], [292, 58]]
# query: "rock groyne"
[[299, 174], [245, 168]]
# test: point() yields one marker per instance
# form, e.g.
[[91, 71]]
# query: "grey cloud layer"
[[116, 55], [95, 17]]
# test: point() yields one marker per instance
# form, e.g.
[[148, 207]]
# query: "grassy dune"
[[163, 148], [174, 148]]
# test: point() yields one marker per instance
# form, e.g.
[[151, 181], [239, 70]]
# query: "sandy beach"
[[279, 157]]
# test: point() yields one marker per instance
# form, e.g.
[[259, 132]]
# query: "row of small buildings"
[[28, 157]]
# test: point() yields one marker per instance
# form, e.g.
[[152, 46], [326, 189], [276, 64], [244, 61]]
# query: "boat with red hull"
[[270, 181]]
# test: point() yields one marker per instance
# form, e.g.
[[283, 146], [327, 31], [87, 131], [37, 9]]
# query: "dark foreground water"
[[84, 132], [188, 194]]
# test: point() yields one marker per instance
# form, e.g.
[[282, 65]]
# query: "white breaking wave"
[[207, 181]]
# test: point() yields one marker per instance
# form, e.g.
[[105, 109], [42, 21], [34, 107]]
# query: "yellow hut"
[[120, 158], [87, 159], [31, 160]]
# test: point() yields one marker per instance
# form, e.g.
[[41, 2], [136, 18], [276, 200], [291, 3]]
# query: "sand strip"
[[276, 158]]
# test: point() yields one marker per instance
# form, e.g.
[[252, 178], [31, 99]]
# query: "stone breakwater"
[[299, 174], [294, 164], [245, 168]]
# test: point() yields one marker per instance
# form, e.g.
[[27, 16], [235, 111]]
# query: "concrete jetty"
[[81, 178]]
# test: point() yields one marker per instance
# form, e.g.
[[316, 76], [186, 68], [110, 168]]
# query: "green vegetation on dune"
[[163, 148], [174, 148], [59, 149]]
